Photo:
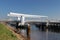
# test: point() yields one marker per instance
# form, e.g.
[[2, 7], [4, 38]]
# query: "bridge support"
[[22, 20], [47, 24], [28, 32]]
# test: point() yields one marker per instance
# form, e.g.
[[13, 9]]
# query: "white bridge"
[[38, 23], [22, 17]]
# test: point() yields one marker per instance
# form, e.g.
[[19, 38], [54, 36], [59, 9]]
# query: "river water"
[[37, 34]]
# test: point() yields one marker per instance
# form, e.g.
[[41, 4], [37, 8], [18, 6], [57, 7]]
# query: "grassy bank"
[[5, 34]]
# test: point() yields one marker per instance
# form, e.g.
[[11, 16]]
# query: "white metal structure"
[[22, 16]]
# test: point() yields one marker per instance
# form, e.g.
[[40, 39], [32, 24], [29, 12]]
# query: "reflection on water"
[[37, 34]]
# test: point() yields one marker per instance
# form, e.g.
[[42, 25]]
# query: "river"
[[37, 34]]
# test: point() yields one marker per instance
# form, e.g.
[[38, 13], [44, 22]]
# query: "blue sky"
[[50, 8]]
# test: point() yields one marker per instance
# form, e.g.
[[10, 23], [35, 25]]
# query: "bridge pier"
[[26, 27], [41, 26], [28, 32]]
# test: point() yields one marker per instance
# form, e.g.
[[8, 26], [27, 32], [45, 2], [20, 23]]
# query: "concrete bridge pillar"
[[22, 20]]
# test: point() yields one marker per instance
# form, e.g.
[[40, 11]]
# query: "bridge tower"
[[22, 20]]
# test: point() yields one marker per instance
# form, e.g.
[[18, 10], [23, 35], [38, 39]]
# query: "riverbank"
[[7, 33]]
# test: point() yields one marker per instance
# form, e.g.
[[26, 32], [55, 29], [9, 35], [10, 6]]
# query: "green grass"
[[5, 34]]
